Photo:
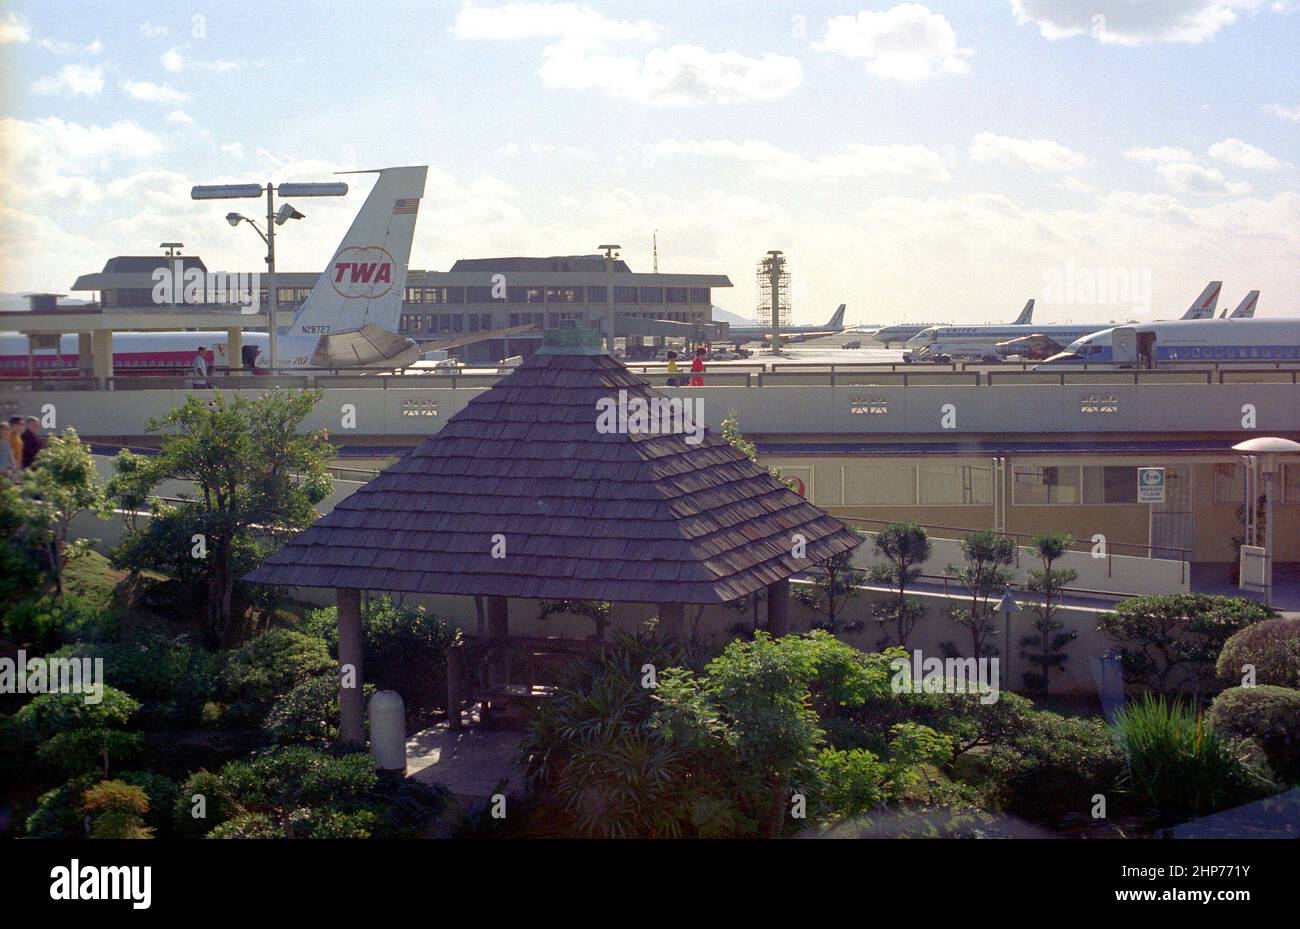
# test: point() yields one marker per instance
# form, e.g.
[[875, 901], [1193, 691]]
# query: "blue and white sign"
[[1151, 485]]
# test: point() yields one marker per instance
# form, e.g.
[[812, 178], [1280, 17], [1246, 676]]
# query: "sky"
[[939, 161]]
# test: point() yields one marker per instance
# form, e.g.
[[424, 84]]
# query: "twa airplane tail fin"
[[1203, 306], [363, 284], [1026, 316], [837, 319], [1246, 308]]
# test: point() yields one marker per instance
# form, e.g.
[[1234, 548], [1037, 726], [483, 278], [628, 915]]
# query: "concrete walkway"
[[471, 762]]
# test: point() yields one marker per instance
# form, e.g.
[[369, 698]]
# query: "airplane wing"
[[469, 338]]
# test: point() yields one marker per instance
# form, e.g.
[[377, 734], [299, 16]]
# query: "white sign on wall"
[[1151, 485]]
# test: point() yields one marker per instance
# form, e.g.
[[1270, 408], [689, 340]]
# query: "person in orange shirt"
[[697, 368], [16, 436]]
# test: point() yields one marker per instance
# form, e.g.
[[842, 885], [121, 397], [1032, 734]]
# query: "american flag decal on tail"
[[407, 206]]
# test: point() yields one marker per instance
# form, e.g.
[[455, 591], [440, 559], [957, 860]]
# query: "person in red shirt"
[[697, 368]]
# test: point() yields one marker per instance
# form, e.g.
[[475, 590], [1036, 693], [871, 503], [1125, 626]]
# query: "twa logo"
[[362, 272]]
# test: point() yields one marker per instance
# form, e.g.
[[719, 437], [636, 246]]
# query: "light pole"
[[611, 252], [1006, 606], [273, 219], [1268, 448]]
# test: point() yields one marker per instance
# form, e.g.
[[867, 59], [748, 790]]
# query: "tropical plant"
[[906, 547], [1171, 642], [1045, 650], [981, 575], [60, 485], [833, 583], [1179, 764]]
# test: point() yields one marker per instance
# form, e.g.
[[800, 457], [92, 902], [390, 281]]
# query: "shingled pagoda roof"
[[584, 514]]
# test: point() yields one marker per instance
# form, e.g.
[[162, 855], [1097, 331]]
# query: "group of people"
[[697, 370], [20, 443]]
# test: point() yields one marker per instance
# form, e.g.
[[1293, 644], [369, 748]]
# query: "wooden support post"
[[498, 623], [778, 608], [672, 620], [352, 731]]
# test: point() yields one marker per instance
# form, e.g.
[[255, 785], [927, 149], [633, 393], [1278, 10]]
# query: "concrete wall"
[[1147, 410]]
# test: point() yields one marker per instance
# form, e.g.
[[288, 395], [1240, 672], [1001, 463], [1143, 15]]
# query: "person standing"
[[200, 368], [32, 441], [16, 438], [8, 463], [697, 368]]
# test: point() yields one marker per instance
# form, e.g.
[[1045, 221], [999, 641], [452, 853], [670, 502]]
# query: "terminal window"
[[1045, 486], [1103, 484], [882, 484], [955, 485]]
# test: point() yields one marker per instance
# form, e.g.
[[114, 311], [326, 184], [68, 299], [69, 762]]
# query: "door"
[[1123, 345], [1171, 521]]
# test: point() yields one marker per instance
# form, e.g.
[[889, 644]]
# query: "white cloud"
[[14, 29], [769, 161], [153, 31], [1194, 179], [180, 117], [94, 48], [172, 60], [905, 43], [234, 150], [682, 75], [1124, 22], [543, 21], [1038, 154], [77, 80], [1160, 153], [1243, 155], [154, 93], [1282, 112]]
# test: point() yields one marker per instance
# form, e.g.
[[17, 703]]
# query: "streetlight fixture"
[[1006, 606], [273, 219], [1268, 448], [611, 252]]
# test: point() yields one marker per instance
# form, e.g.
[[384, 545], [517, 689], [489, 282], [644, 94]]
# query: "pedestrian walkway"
[[471, 762]]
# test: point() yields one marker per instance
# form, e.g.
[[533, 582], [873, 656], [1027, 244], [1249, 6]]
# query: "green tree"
[[982, 575], [76, 735], [61, 484], [253, 473], [906, 547], [117, 810], [128, 489], [834, 583], [1170, 642], [1049, 643], [19, 573]]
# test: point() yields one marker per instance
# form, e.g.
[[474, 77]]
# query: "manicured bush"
[[1053, 765], [1171, 642], [58, 812], [76, 736], [284, 781], [268, 667], [117, 810], [308, 714], [248, 826], [171, 677], [1271, 648], [403, 649], [1270, 717], [161, 792], [204, 793], [1181, 766]]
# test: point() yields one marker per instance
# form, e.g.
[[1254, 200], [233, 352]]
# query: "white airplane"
[[348, 321], [1246, 308], [907, 331], [1171, 341]]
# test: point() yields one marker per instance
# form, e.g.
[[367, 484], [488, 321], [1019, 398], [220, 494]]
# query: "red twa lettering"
[[361, 272]]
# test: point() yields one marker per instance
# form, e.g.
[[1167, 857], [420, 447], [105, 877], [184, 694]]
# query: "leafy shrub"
[[1270, 717], [247, 826], [218, 806], [1052, 764], [1171, 642], [308, 714], [284, 781], [171, 677], [411, 806], [58, 812], [403, 649], [336, 824], [76, 736], [1181, 766], [268, 667], [161, 792], [117, 810], [1272, 647], [46, 622]]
